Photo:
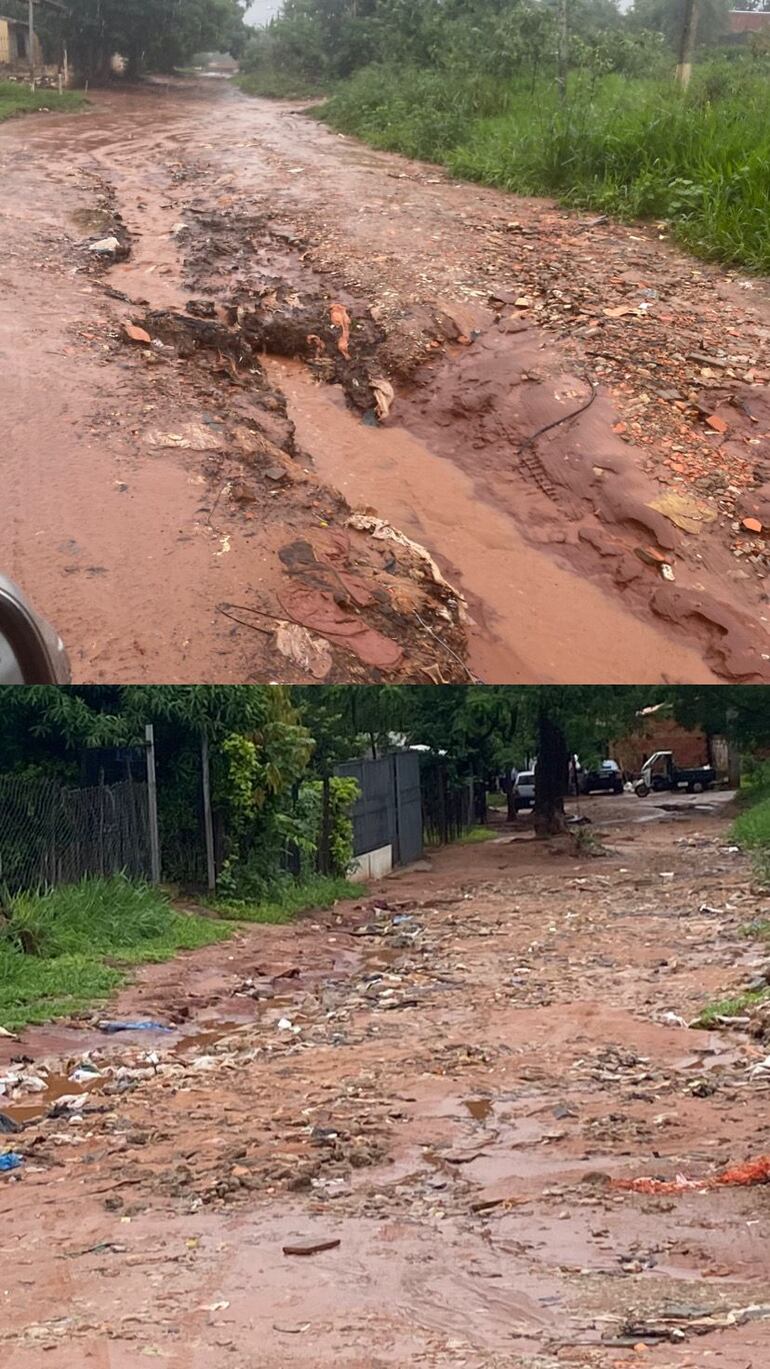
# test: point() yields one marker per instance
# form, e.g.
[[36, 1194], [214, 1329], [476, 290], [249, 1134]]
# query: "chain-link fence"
[[51, 835]]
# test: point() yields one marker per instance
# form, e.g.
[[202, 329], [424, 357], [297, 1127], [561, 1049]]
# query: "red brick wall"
[[661, 734]]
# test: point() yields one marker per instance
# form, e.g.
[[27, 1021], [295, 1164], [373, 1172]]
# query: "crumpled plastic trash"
[[105, 246], [145, 1025], [84, 1073], [11, 1160], [737, 1176]]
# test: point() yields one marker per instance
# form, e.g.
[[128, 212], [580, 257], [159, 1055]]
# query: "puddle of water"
[[479, 1108], [90, 220], [37, 1105], [199, 1041], [537, 619]]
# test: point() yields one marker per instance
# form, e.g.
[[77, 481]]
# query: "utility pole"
[[562, 49], [211, 869], [152, 804], [31, 40], [687, 43]]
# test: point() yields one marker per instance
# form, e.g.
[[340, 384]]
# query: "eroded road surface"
[[397, 1133], [335, 354]]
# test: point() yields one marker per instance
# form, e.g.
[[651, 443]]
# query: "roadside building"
[[14, 48]]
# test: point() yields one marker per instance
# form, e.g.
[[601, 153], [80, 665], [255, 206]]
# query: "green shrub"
[[630, 147], [62, 950]]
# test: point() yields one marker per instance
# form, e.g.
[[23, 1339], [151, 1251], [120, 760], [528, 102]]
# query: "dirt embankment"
[[562, 414], [443, 1087]]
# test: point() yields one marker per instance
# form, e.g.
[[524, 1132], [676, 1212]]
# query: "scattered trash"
[[684, 511], [340, 318], [286, 1025], [384, 394], [142, 1026], [385, 532], [738, 1176], [195, 436], [672, 1019], [84, 1073], [136, 334], [106, 247], [311, 1247], [311, 654], [11, 1160], [7, 1124]]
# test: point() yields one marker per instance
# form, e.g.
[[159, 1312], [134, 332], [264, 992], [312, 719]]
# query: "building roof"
[[749, 21]]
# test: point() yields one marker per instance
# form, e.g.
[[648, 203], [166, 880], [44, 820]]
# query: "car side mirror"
[[31, 652]]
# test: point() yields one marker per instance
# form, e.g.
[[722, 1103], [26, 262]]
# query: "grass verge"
[[476, 834], [736, 1006], [276, 85], [284, 903], [66, 950], [16, 98], [633, 148]]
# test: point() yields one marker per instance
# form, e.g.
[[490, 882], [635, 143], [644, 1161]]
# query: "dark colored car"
[[608, 779]]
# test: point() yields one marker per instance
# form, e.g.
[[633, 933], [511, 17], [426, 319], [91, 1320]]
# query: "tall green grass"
[[291, 897], [274, 84], [65, 950], [632, 148], [69, 949], [16, 98]]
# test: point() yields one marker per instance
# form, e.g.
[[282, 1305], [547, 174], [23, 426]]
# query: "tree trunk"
[[324, 843], [563, 49], [511, 798], [687, 43], [551, 777]]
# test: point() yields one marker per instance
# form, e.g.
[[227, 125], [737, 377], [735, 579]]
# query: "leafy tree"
[[150, 34]]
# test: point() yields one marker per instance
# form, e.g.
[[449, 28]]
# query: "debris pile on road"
[[737, 1176]]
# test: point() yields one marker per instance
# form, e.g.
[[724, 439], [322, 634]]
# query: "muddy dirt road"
[[553, 407], [446, 1085]]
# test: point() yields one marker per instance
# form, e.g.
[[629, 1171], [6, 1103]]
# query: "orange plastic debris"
[[136, 334], [340, 318], [752, 524], [738, 1176]]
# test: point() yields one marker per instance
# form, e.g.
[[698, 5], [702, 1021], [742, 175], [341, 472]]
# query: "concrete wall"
[[373, 864]]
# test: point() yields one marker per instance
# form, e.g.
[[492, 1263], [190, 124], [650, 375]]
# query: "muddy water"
[[100, 530], [534, 619]]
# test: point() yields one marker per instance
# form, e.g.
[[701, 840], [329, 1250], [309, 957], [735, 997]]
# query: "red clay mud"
[[484, 1049], [377, 273]]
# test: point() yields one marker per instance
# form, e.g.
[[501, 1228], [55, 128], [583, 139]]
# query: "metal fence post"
[[211, 869], [152, 804]]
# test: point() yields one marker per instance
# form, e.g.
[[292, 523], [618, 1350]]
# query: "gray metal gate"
[[408, 805], [389, 810]]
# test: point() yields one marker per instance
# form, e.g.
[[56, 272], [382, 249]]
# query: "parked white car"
[[524, 790]]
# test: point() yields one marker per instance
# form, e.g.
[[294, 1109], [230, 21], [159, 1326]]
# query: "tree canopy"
[[154, 35]]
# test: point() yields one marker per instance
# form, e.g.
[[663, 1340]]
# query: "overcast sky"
[[259, 11]]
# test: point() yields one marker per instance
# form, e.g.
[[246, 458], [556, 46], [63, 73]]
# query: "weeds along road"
[[446, 1085], [181, 507]]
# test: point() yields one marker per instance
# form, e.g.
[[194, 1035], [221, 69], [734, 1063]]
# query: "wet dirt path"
[[446, 1082], [227, 199]]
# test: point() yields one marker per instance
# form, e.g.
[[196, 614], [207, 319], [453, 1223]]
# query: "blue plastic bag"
[[112, 1027], [11, 1160]]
